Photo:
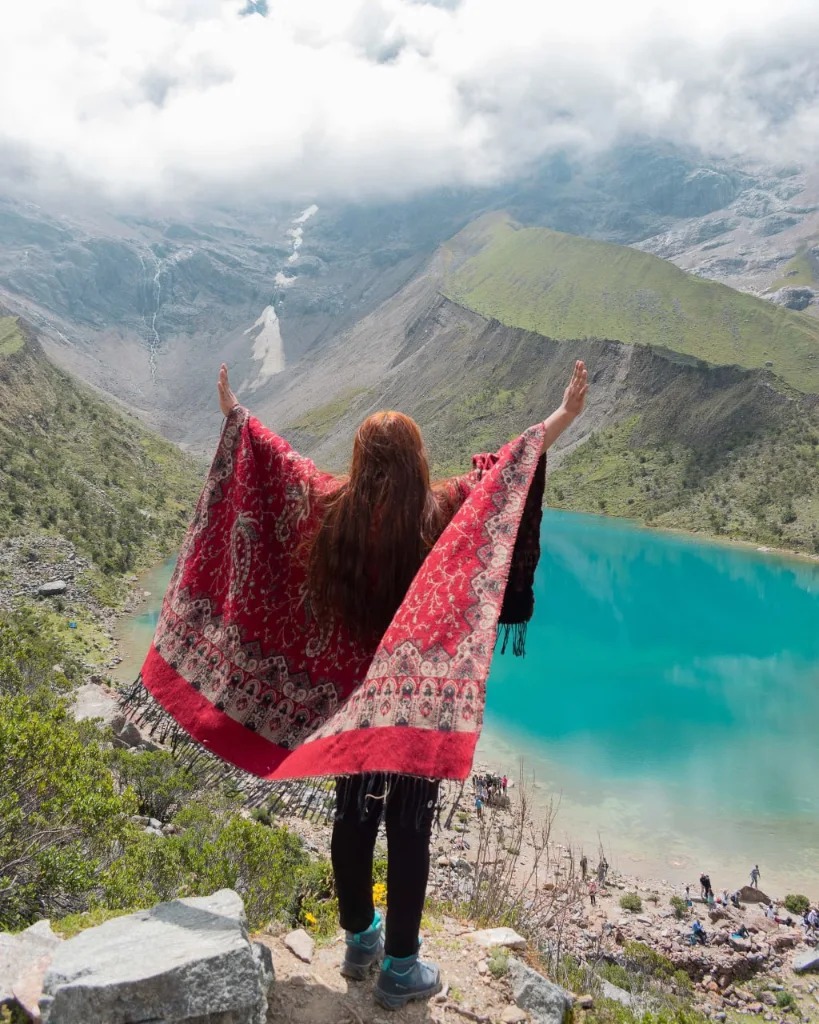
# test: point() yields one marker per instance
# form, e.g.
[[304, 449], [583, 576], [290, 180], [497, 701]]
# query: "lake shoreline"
[[594, 794], [700, 536]]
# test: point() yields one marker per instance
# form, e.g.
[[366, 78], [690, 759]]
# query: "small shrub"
[[785, 1001], [617, 975], [162, 785], [679, 906], [642, 958], [499, 962], [796, 903], [631, 901]]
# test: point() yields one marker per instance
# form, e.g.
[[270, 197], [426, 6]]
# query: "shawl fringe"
[[318, 799], [516, 631]]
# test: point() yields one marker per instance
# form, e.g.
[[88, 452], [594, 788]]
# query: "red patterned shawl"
[[244, 669]]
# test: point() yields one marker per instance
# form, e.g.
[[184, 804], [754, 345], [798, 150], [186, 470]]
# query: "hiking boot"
[[405, 978], [363, 950]]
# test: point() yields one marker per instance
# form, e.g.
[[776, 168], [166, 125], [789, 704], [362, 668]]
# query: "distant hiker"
[[688, 894], [504, 783], [479, 806], [705, 886], [584, 866], [601, 872], [755, 876], [698, 933], [605, 865], [593, 893], [735, 899]]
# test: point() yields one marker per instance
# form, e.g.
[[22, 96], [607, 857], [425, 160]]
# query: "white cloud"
[[362, 97]]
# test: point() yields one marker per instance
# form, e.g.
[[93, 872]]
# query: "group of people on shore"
[[488, 788], [810, 919]]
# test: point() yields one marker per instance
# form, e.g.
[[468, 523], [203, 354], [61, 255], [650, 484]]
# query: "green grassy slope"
[[800, 272], [72, 466], [766, 490], [563, 286]]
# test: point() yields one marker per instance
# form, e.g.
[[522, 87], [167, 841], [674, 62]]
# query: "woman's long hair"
[[376, 528]]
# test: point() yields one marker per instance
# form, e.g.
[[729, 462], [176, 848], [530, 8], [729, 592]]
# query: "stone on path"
[[489, 938], [513, 1015], [189, 960], [739, 945], [807, 961], [614, 992], [52, 588], [300, 944], [546, 1002]]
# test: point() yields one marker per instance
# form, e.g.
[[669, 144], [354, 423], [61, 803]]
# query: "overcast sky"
[[355, 98]]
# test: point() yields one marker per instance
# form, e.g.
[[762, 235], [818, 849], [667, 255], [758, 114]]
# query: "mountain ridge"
[[562, 285]]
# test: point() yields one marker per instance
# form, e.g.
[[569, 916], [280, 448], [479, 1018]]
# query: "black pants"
[[408, 807]]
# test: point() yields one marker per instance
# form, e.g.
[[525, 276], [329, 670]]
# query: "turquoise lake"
[[669, 700]]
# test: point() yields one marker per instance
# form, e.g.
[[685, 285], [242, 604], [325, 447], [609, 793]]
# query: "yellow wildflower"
[[310, 918], [379, 893]]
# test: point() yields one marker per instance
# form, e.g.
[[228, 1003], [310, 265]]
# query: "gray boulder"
[[617, 994], [53, 588], [807, 961], [189, 961], [546, 1002]]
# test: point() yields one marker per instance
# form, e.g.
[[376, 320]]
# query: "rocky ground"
[[731, 977]]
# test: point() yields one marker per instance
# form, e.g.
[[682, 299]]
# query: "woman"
[[376, 529], [319, 626]]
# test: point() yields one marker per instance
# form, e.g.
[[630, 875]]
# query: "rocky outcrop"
[[807, 961], [545, 1002], [188, 961], [24, 959], [749, 894], [794, 298]]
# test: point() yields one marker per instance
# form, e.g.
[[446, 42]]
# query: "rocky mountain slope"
[[76, 470], [144, 304], [672, 438]]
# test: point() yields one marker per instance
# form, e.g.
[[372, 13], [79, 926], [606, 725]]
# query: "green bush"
[[29, 652], [617, 975], [631, 901], [679, 906], [785, 1001], [161, 784], [61, 819], [607, 1011], [499, 962], [796, 903], [214, 849]]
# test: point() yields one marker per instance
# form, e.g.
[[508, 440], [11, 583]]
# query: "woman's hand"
[[227, 400], [574, 397]]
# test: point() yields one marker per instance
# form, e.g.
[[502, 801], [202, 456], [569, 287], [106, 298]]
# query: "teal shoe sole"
[[359, 972], [397, 1002]]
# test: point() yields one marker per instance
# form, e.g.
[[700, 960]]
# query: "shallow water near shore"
[[669, 699]]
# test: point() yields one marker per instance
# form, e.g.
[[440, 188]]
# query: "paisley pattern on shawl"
[[240, 663]]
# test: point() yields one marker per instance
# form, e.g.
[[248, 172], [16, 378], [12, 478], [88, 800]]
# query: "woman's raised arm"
[[574, 398], [227, 400]]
